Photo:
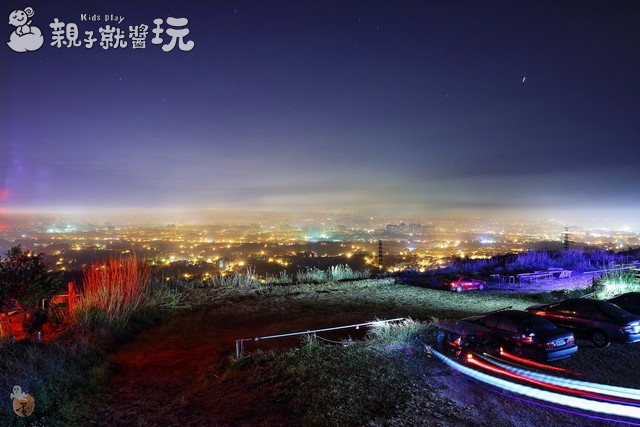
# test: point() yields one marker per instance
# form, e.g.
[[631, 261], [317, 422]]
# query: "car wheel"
[[600, 339], [459, 288], [480, 287]]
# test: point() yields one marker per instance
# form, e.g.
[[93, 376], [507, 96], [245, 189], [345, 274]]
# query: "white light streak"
[[544, 395]]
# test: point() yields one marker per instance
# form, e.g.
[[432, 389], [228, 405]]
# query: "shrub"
[[473, 267], [164, 297], [113, 291], [615, 283], [312, 275], [344, 272], [237, 279], [400, 332], [180, 283], [24, 277], [335, 273], [282, 279], [535, 260], [52, 373]]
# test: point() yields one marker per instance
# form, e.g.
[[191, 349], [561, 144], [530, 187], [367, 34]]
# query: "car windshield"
[[629, 299], [536, 324], [612, 310]]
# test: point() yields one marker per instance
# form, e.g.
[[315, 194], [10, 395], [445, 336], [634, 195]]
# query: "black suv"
[[528, 335], [603, 321]]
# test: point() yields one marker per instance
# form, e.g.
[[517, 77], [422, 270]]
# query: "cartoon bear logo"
[[26, 37]]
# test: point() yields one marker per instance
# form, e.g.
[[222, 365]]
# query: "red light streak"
[[546, 385], [538, 393], [535, 364], [4, 196]]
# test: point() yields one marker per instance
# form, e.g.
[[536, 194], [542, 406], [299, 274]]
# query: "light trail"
[[566, 410], [536, 364], [543, 395], [622, 392], [545, 384]]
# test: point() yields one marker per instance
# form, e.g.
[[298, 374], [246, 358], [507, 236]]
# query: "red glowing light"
[[533, 363], [507, 373], [4, 196]]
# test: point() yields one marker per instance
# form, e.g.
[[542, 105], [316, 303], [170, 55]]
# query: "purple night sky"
[[395, 107]]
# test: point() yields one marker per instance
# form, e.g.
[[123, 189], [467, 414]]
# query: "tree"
[[24, 277]]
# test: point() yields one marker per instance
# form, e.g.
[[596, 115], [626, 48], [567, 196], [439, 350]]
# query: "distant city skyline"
[[420, 109], [597, 220]]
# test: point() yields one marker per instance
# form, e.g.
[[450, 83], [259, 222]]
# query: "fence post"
[[239, 348]]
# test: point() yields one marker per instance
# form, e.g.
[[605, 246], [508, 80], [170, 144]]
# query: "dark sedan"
[[528, 335], [605, 322], [629, 301]]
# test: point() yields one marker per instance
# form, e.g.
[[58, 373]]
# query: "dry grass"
[[282, 279], [238, 279], [113, 291], [344, 272]]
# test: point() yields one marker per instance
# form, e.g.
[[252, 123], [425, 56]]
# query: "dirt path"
[[172, 374]]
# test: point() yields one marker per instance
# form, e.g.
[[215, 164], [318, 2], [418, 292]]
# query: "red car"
[[463, 283]]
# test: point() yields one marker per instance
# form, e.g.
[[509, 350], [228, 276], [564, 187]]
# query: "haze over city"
[[425, 109]]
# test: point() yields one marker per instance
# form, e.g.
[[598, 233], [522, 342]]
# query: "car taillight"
[[528, 339], [547, 346], [571, 341]]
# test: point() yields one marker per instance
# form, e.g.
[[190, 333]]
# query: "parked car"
[[463, 283], [457, 337], [604, 321], [629, 301], [459, 334], [528, 335]]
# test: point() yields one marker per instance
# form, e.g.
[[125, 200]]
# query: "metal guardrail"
[[240, 342], [613, 268]]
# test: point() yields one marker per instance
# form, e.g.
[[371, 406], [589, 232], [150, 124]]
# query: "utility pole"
[[566, 242], [380, 259]]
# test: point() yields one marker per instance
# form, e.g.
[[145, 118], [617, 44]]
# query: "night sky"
[[374, 107]]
